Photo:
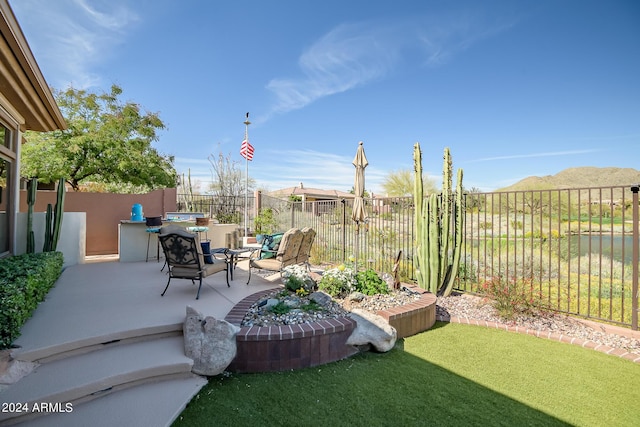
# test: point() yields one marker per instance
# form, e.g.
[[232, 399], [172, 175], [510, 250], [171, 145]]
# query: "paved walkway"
[[97, 304]]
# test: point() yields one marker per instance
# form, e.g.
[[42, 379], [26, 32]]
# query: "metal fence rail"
[[572, 249], [576, 250]]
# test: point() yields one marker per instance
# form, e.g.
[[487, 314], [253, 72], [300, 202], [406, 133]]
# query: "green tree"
[[400, 184], [107, 142]]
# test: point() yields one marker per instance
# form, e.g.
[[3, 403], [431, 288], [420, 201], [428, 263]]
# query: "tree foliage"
[[107, 142], [400, 184]]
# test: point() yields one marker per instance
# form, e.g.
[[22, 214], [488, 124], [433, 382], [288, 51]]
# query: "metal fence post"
[[635, 256]]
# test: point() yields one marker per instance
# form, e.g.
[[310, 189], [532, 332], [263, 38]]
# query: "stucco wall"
[[104, 212], [72, 235]]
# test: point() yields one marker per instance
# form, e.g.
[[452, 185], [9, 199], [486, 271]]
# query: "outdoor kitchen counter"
[[133, 238]]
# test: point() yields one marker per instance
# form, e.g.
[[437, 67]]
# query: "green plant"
[[32, 191], [280, 308], [311, 306], [24, 282], [296, 279], [338, 281], [265, 222], [53, 225], [438, 244], [369, 283], [512, 298]]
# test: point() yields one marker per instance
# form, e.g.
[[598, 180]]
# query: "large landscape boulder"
[[210, 342], [373, 330]]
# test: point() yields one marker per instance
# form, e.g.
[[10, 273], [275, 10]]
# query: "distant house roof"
[[22, 82], [311, 193]]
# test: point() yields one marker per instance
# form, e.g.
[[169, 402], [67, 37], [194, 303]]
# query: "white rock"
[[372, 329], [210, 342]]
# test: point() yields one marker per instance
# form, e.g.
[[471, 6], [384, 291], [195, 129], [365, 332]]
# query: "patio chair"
[[286, 254], [309, 235], [183, 253]]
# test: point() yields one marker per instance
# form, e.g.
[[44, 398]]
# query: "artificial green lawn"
[[451, 375]]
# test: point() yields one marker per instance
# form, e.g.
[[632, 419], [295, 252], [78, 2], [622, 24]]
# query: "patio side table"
[[237, 255]]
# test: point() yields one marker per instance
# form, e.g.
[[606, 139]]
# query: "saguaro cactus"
[[438, 244], [32, 190]]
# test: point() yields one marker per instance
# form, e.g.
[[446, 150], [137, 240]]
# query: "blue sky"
[[513, 88]]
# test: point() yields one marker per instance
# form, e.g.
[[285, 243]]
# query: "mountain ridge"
[[579, 177]]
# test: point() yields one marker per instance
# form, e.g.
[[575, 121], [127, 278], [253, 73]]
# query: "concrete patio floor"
[[99, 303]]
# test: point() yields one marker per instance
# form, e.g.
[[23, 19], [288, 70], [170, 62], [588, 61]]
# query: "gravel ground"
[[471, 307]]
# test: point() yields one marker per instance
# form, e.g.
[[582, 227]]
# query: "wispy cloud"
[[532, 155], [356, 54], [313, 168], [348, 56], [71, 37]]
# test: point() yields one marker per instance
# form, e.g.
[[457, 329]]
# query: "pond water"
[[616, 246]]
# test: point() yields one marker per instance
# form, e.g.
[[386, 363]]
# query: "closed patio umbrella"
[[359, 215]]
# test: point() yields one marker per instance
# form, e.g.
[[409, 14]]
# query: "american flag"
[[246, 150]]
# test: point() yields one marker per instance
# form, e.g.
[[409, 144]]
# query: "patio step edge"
[[156, 403], [84, 377], [97, 342]]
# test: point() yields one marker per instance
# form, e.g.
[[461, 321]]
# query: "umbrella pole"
[[357, 251]]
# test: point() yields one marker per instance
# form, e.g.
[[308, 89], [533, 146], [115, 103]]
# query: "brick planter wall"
[[413, 318], [279, 348]]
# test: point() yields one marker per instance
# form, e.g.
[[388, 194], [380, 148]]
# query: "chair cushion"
[[267, 264], [186, 272], [270, 245], [214, 268]]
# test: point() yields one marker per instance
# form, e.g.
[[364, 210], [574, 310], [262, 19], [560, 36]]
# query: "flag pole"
[[246, 190]]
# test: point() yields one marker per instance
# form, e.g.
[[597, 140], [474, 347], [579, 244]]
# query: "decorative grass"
[[451, 375]]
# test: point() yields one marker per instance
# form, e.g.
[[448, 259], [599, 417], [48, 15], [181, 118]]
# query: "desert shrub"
[[513, 297]]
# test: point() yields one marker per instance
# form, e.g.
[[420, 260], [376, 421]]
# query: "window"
[[7, 160]]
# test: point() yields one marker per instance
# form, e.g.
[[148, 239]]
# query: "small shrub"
[[535, 235], [280, 308], [25, 281], [338, 281], [312, 306], [369, 283], [296, 279], [512, 298]]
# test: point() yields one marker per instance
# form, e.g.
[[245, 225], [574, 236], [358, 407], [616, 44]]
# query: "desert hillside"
[[582, 177]]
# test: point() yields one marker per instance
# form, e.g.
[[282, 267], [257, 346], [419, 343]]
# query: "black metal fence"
[[576, 249]]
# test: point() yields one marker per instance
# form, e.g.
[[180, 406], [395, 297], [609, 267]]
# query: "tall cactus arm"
[[445, 212], [434, 241], [57, 215], [458, 237], [31, 201], [418, 201], [47, 229]]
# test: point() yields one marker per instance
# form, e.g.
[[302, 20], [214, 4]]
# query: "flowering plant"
[[338, 281], [512, 297], [296, 279]]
